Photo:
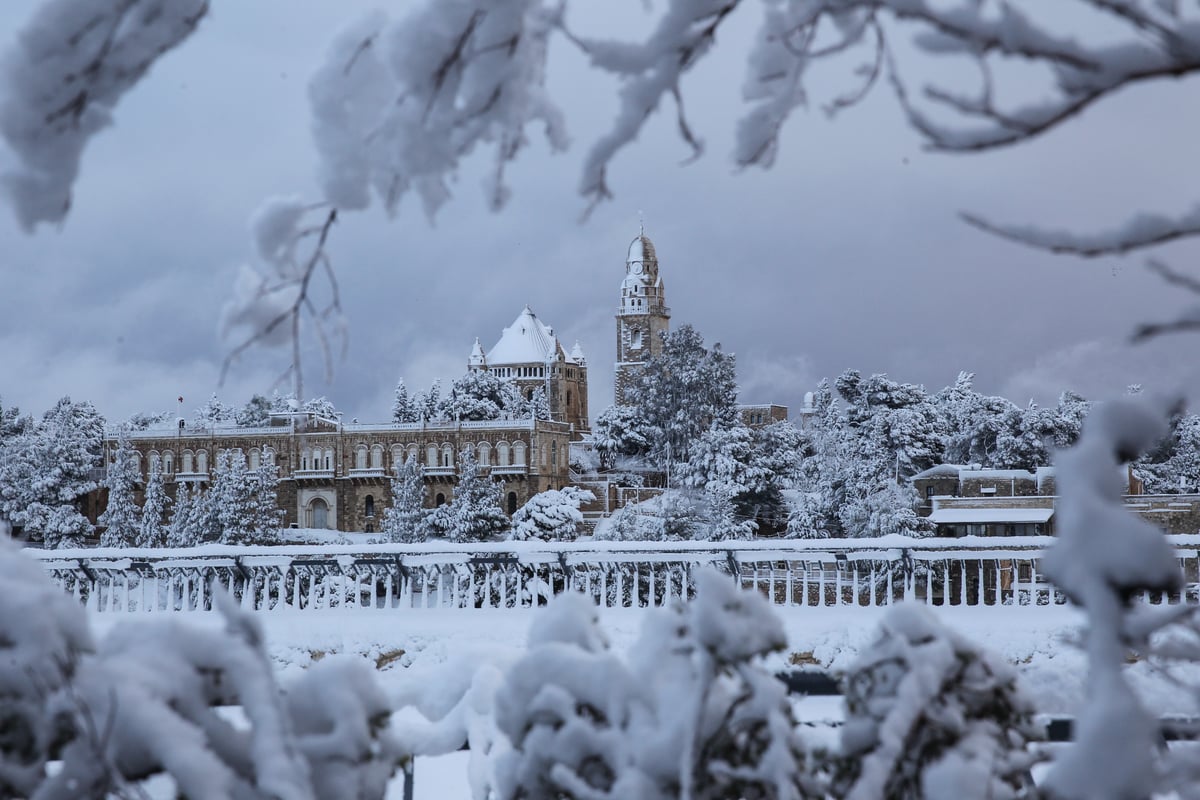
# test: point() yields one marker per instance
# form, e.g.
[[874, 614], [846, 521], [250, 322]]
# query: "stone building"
[[530, 355], [337, 475], [970, 501]]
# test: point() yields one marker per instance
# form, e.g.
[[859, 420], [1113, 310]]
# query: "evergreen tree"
[[481, 395], [404, 409], [180, 532], [153, 531], [255, 414], [539, 404], [204, 523], [212, 413], [724, 519], [243, 501], [432, 402], [476, 513], [122, 519], [406, 519], [322, 407], [48, 468], [683, 392], [620, 431]]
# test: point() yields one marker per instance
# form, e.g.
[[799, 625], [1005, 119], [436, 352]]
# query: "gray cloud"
[[847, 254]]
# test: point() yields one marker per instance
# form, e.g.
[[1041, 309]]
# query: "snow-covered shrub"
[[689, 713], [552, 515], [154, 697], [43, 635], [566, 709], [931, 715], [122, 518]]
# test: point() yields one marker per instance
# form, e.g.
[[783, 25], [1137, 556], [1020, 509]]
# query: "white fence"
[[973, 571]]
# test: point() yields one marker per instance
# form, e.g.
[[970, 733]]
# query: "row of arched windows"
[[196, 461], [503, 454]]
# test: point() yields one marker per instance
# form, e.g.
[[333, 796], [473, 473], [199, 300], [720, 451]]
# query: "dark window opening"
[[440, 500], [512, 503], [370, 506]]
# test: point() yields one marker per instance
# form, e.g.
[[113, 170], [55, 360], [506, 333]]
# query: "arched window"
[[187, 461], [485, 454], [369, 506], [255, 459], [155, 460], [328, 459], [554, 454], [412, 454], [268, 456], [447, 456], [568, 397], [502, 454], [518, 454], [360, 457], [377, 456], [440, 500], [397, 456], [512, 503], [201, 461], [316, 458], [431, 456], [168, 462]]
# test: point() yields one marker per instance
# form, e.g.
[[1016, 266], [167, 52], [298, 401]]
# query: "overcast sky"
[[847, 254]]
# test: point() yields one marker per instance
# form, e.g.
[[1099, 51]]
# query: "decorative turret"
[[577, 354], [477, 360]]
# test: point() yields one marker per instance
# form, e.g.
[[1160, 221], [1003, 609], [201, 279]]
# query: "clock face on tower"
[[636, 267]]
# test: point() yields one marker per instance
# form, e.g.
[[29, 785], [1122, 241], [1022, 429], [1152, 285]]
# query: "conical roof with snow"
[[577, 354], [477, 358], [526, 340]]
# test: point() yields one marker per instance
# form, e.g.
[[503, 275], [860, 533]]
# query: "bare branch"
[[1143, 230]]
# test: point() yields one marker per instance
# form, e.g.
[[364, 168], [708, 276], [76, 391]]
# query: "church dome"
[[641, 249]]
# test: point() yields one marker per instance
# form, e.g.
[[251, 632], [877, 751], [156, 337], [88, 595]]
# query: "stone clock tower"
[[642, 317]]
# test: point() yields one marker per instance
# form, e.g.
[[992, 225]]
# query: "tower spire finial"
[[641, 223]]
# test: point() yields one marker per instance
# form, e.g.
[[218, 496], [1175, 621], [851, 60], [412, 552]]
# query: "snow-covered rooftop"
[[964, 516], [526, 340], [940, 471]]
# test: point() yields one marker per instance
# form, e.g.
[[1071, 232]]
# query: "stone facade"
[[964, 501], [335, 475], [758, 416]]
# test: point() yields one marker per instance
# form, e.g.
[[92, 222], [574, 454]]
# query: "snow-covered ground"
[[415, 651]]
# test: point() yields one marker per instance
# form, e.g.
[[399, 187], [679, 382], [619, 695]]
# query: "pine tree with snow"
[[47, 470], [404, 408], [153, 531], [180, 533], [122, 519], [481, 395], [930, 714], [267, 517], [476, 513], [431, 402], [322, 407], [244, 501], [552, 515], [621, 432], [539, 404], [212, 413], [722, 518], [255, 414], [204, 521], [405, 520]]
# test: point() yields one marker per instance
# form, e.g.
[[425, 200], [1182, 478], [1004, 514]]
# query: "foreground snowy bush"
[[154, 698]]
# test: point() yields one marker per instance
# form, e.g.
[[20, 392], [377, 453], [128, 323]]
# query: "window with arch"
[[360, 457], [269, 456], [201, 461], [554, 454], [316, 458], [502, 457], [369, 506], [329, 459], [440, 500], [397, 456], [485, 454], [155, 460], [518, 454], [187, 461], [377, 456], [255, 459], [431, 456], [412, 453], [447, 456], [168, 462]]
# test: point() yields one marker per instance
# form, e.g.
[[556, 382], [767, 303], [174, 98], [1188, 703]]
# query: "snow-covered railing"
[[971, 571]]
